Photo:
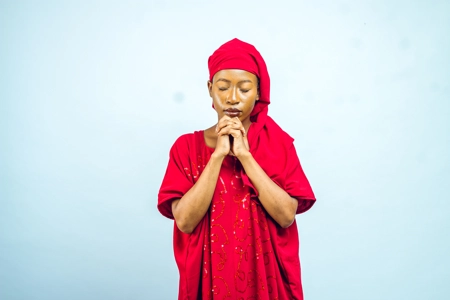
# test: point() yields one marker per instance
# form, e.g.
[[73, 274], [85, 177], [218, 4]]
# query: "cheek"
[[250, 99], [250, 96], [253, 106], [217, 101]]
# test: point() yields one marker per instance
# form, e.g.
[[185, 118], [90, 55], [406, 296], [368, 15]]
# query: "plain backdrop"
[[94, 93]]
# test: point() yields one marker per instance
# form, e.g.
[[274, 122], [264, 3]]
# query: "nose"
[[232, 98]]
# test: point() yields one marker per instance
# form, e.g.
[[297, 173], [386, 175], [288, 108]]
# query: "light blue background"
[[93, 94]]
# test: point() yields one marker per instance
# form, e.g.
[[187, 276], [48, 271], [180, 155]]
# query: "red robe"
[[237, 251]]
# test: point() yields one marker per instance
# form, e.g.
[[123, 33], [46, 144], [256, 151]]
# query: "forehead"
[[235, 75]]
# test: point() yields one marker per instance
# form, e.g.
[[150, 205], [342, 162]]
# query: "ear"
[[257, 96], [209, 88]]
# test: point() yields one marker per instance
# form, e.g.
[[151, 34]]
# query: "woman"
[[234, 189]]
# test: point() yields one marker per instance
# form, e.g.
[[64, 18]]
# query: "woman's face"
[[234, 93]]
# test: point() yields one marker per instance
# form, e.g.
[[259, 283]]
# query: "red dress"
[[237, 251]]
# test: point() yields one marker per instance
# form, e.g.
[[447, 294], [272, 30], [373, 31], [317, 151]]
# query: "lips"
[[232, 112]]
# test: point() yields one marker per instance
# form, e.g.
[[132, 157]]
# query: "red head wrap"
[[237, 54]]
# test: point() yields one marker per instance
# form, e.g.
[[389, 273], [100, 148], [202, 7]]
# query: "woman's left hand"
[[234, 128]]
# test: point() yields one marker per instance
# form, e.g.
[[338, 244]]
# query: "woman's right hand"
[[223, 144]]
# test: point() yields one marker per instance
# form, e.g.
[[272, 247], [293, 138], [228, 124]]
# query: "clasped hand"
[[237, 145]]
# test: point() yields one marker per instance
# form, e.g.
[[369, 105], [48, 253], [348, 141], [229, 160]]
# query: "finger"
[[223, 120], [238, 125], [228, 128], [235, 133], [234, 123], [227, 121]]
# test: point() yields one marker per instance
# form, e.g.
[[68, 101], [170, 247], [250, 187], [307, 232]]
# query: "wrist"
[[217, 157], [244, 156]]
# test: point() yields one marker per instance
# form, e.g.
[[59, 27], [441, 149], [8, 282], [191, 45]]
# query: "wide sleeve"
[[177, 180], [296, 184]]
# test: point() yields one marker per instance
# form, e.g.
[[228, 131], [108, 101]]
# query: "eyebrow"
[[228, 81]]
